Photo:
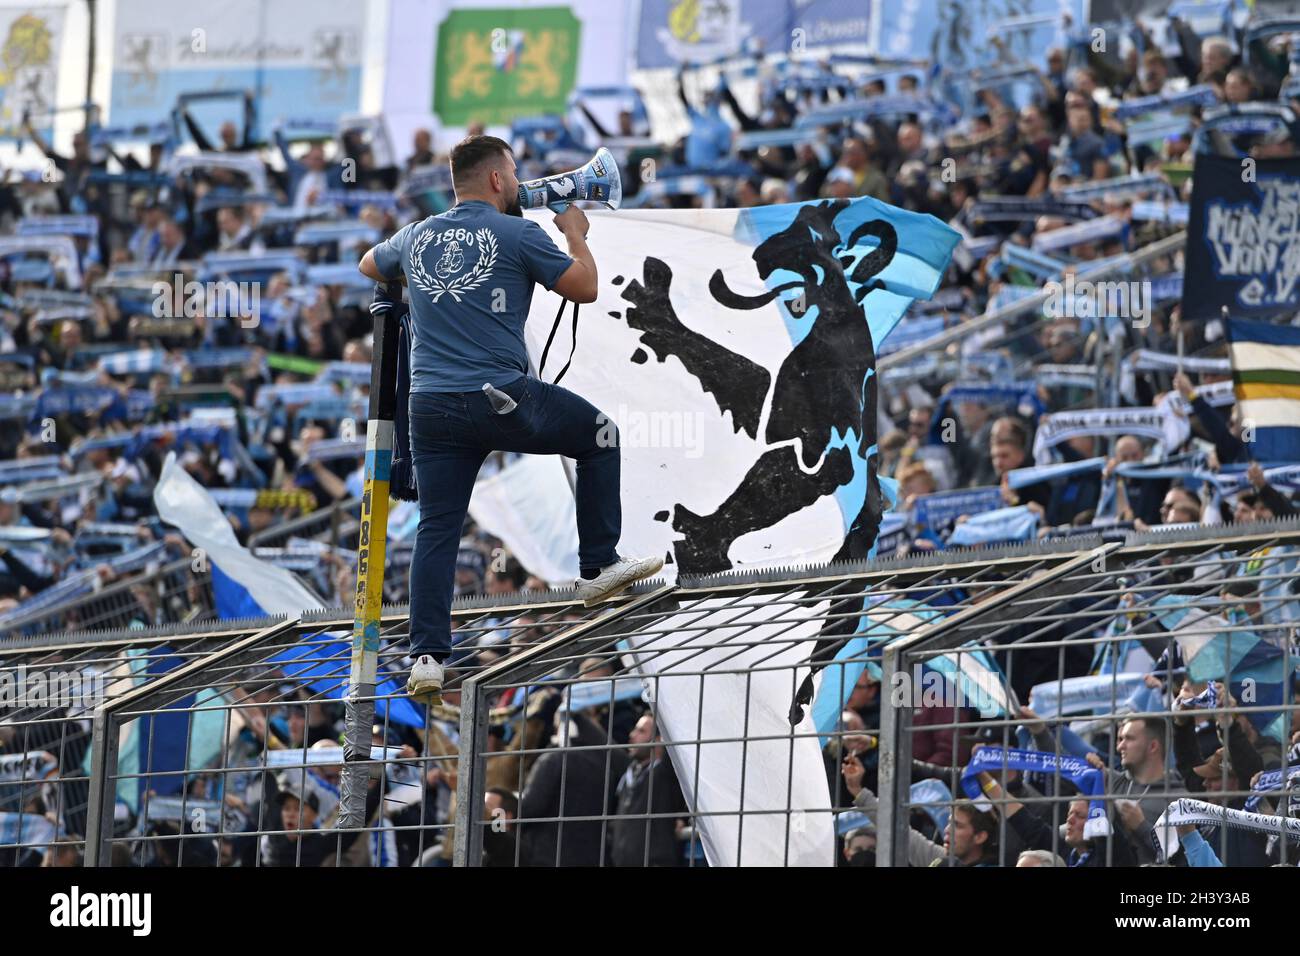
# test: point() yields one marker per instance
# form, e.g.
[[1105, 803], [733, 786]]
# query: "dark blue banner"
[[1243, 238]]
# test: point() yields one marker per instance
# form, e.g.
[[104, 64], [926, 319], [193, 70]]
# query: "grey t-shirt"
[[469, 276]]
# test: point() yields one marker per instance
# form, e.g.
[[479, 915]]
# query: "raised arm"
[[579, 282]]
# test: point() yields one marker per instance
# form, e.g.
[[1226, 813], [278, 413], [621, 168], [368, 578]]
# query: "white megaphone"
[[598, 181]]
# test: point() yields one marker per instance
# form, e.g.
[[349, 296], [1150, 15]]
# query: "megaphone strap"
[[546, 350]]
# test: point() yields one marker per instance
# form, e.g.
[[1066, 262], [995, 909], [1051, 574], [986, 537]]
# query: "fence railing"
[[50, 685], [170, 593], [192, 768], [174, 592], [1201, 620], [783, 717]]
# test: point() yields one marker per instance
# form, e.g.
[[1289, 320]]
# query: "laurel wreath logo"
[[435, 287]]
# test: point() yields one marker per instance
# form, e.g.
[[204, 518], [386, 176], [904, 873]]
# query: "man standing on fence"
[[470, 274]]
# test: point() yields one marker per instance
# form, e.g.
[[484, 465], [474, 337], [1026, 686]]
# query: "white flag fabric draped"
[[731, 349], [735, 351]]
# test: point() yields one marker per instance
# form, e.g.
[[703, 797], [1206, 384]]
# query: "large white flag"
[[735, 350]]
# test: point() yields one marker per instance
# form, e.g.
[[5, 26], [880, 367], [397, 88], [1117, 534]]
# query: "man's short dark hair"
[[1154, 728], [469, 155], [981, 822], [514, 573], [509, 801], [1018, 433]]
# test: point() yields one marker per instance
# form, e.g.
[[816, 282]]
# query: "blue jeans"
[[451, 434]]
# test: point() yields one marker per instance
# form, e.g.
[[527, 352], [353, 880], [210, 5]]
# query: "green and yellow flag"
[[495, 65]]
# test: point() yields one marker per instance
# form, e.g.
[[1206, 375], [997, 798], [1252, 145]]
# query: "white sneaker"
[[425, 681], [615, 578]]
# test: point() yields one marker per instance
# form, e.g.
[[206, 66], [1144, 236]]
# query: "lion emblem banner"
[[735, 351]]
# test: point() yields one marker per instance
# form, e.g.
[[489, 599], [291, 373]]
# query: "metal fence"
[[50, 686], [1183, 643], [175, 592], [170, 593], [197, 766], [786, 717]]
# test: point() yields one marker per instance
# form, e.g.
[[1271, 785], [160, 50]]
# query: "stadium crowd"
[[265, 406]]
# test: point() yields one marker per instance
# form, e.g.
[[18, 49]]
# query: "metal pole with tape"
[[371, 554]]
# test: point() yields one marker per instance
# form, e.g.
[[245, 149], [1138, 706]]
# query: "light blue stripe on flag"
[[925, 246], [841, 675], [978, 677]]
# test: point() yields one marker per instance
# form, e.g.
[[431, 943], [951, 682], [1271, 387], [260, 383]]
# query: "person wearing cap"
[[299, 809], [839, 184], [1242, 753]]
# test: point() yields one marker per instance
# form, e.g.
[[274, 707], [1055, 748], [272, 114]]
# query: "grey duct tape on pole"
[[359, 705]]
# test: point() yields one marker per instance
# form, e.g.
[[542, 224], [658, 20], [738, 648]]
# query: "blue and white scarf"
[[1232, 480], [1207, 699], [1082, 695], [74, 400], [995, 527], [1160, 423], [220, 358], [87, 226], [1088, 780], [1188, 812], [294, 394], [134, 362], [1268, 782], [26, 829], [905, 334], [1117, 186], [1024, 477], [1018, 209], [30, 469], [355, 373], [937, 511], [1169, 213], [1147, 360], [1166, 288], [52, 488], [335, 449], [1092, 230], [1037, 264], [355, 198], [1162, 103], [1216, 395], [1066, 376]]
